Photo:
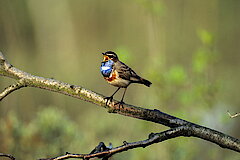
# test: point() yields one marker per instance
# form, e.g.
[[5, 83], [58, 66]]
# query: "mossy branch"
[[25, 79]]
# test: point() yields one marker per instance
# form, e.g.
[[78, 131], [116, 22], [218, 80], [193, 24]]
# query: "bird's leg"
[[121, 102], [111, 97]]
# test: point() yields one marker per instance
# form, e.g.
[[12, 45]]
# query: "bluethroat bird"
[[119, 74]]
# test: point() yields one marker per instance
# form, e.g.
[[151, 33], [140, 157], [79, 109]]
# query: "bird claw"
[[120, 104], [108, 99]]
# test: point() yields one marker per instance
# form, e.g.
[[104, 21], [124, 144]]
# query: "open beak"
[[105, 58]]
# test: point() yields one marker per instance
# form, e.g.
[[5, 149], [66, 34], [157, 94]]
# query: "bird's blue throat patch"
[[106, 68]]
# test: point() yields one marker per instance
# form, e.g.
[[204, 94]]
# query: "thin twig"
[[153, 138], [234, 115], [179, 127], [186, 131], [11, 88]]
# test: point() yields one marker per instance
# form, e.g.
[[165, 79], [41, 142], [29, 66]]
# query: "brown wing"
[[126, 72]]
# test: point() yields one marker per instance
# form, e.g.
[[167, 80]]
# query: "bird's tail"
[[145, 82]]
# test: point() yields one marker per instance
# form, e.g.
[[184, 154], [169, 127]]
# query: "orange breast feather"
[[112, 77]]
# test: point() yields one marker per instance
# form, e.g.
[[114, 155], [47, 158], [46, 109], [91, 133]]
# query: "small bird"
[[119, 74]]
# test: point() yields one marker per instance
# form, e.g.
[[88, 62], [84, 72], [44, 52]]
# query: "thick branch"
[[28, 80], [190, 129]]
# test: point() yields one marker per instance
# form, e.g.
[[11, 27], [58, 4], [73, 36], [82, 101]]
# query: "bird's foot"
[[108, 99], [120, 104]]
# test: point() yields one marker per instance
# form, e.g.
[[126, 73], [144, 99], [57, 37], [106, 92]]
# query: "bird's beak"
[[103, 53], [105, 58]]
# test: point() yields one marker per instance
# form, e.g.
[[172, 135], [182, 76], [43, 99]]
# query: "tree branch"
[[185, 131], [153, 138], [234, 115], [28, 80], [11, 88], [179, 127], [7, 155]]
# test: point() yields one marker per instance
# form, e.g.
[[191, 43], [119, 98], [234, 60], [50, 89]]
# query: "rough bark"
[[178, 127]]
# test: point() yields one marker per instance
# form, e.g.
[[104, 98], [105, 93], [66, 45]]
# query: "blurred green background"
[[188, 49]]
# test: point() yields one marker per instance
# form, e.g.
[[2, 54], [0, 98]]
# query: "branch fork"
[[178, 127]]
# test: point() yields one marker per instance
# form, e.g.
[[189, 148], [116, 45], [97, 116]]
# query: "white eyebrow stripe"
[[105, 68]]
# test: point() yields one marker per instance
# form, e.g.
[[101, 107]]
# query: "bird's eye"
[[110, 56]]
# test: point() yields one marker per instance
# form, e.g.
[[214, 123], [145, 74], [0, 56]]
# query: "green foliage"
[[186, 87], [152, 6], [52, 127], [204, 56], [50, 133], [49, 119], [200, 61], [176, 75], [124, 54], [205, 37], [188, 50]]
